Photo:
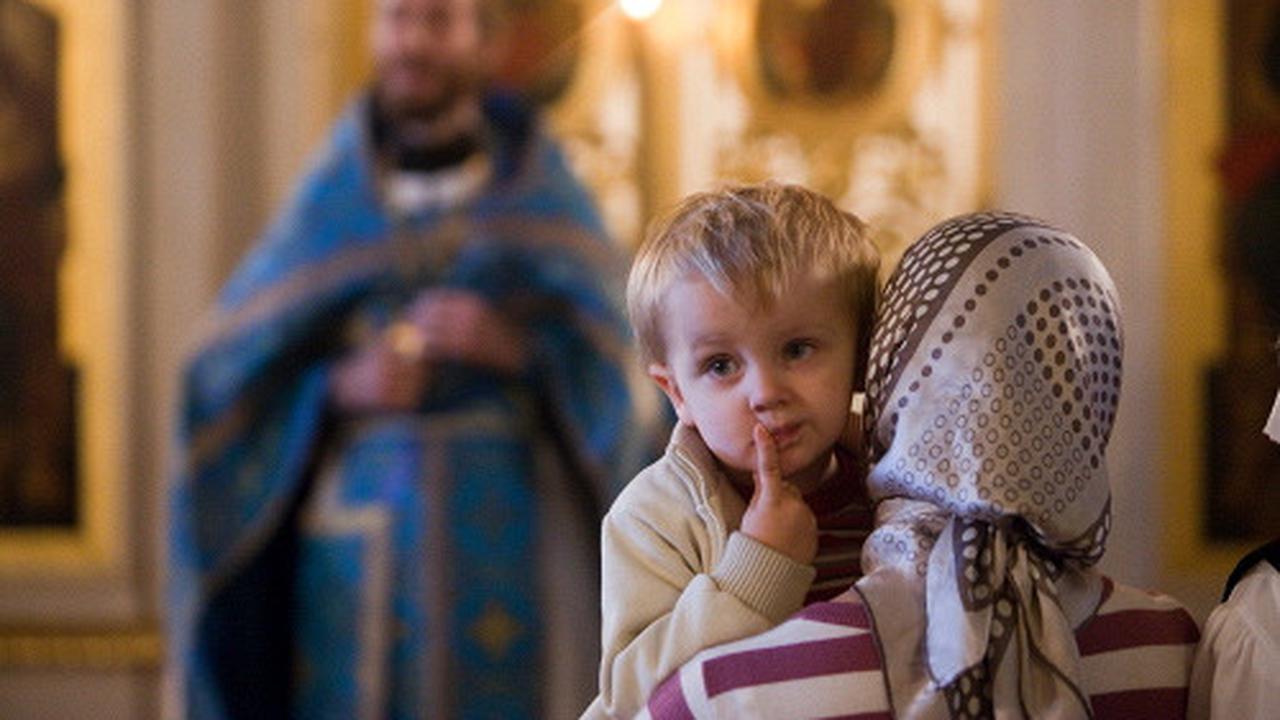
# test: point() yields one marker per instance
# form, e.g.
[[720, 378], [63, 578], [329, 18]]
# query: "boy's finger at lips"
[[766, 455], [763, 440]]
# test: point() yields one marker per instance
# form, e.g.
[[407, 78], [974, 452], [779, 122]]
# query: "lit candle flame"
[[640, 9]]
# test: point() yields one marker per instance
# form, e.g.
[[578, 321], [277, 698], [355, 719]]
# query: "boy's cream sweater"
[[678, 576]]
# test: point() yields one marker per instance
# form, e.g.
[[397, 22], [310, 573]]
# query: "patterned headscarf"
[[993, 385]]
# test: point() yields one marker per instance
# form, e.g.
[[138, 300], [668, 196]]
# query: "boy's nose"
[[768, 390]]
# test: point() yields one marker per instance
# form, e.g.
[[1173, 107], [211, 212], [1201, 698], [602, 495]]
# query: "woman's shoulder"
[[1136, 652], [1127, 615], [1122, 597]]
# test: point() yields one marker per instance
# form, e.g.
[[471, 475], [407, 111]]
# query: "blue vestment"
[[384, 567]]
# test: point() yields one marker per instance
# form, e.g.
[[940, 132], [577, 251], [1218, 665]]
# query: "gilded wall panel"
[[879, 104]]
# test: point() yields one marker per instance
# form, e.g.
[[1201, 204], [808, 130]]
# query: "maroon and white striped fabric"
[[844, 516], [823, 662], [1135, 654]]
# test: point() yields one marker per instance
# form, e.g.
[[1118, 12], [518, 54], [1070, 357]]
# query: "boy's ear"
[[666, 380]]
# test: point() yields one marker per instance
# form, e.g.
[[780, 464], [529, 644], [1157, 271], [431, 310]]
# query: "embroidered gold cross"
[[496, 630]]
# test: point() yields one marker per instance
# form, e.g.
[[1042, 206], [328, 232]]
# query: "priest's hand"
[[462, 326]]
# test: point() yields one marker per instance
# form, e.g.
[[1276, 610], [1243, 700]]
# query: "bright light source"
[[640, 9]]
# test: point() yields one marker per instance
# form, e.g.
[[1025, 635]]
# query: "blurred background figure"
[[1237, 667], [412, 404]]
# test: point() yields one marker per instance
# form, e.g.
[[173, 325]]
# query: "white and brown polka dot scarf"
[[993, 383]]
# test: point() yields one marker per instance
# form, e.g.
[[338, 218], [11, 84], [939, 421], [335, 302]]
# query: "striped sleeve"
[[820, 659], [1136, 655]]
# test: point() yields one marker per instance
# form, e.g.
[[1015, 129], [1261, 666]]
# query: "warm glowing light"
[[640, 9]]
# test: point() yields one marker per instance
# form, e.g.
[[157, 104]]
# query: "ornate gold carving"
[[893, 134], [598, 117]]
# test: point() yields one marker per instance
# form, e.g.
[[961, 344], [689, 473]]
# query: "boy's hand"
[[778, 515]]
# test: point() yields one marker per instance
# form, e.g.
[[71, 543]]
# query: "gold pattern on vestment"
[[496, 630]]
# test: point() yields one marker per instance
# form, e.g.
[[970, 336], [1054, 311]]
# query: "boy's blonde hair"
[[751, 242]]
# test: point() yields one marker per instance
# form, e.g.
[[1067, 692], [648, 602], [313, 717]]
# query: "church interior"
[[169, 132]]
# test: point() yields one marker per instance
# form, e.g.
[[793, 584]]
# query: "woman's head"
[[994, 379]]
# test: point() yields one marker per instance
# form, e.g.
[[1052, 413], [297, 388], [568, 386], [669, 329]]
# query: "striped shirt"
[[1135, 654], [845, 518]]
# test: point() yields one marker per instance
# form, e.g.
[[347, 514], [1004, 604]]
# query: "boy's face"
[[788, 366]]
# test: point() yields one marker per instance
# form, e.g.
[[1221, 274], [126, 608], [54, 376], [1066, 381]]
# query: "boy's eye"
[[799, 349], [720, 366]]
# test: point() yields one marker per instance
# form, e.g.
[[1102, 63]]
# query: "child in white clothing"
[[753, 307]]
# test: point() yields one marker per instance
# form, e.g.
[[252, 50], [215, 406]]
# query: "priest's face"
[[428, 56]]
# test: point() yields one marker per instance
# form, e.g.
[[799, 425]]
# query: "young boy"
[[753, 308]]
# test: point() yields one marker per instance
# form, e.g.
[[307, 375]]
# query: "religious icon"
[[832, 50], [37, 386]]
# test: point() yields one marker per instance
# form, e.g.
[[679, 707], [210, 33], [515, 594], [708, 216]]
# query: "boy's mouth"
[[785, 435]]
